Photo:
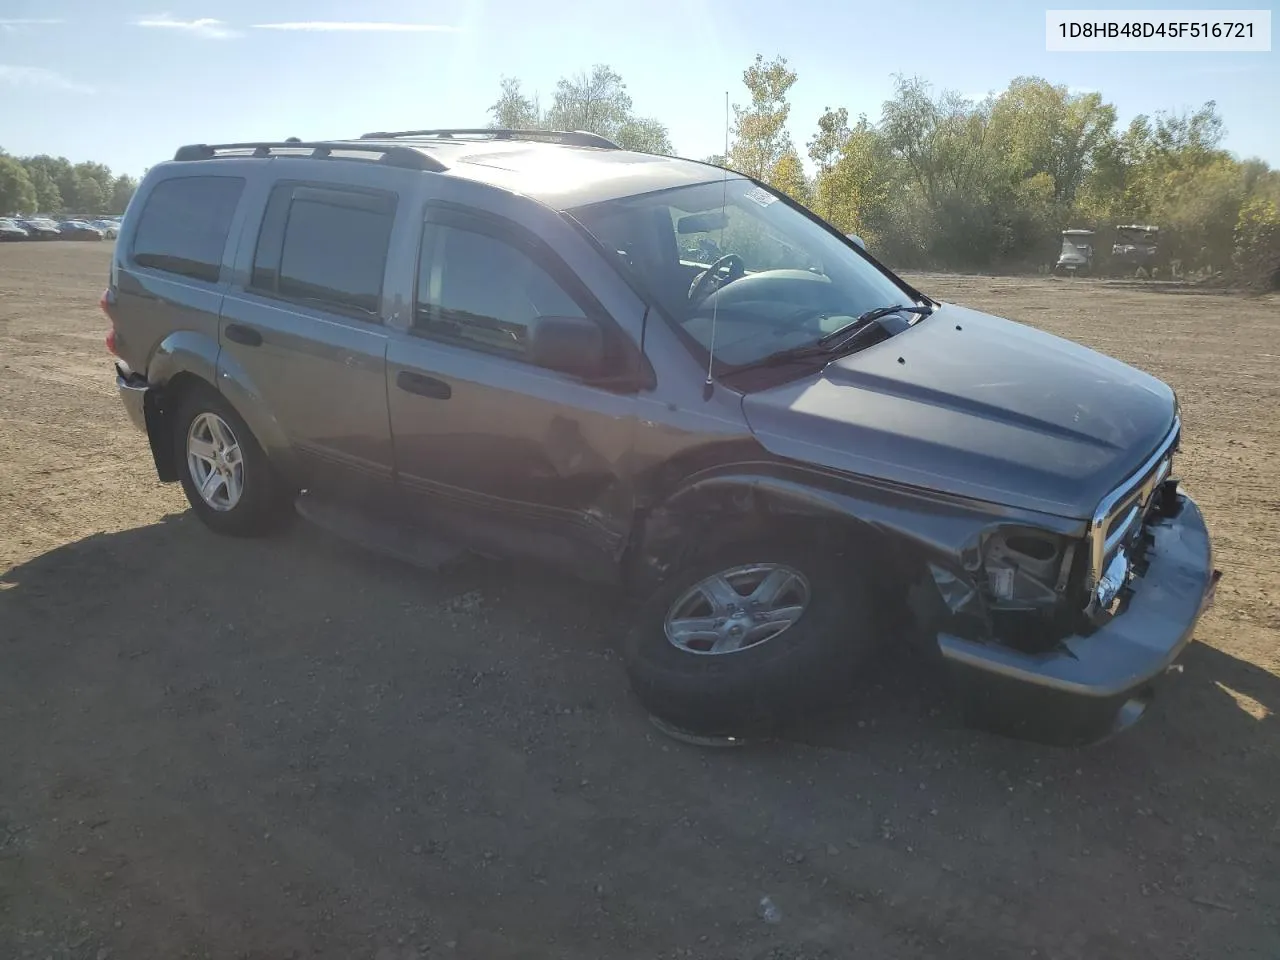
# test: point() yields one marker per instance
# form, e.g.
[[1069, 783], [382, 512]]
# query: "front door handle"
[[423, 385], [242, 334]]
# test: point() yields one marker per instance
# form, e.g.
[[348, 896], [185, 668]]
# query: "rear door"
[[305, 329]]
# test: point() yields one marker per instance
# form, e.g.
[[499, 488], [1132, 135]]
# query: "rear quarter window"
[[184, 224]]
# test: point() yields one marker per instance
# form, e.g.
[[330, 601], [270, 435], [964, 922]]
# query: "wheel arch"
[[185, 361], [748, 503], [894, 533]]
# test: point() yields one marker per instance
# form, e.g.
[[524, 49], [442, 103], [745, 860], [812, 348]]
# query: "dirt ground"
[[291, 749]]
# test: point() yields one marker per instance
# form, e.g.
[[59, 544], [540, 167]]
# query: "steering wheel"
[[730, 265]]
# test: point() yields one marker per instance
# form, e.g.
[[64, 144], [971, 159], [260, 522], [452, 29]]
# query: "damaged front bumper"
[[1091, 686]]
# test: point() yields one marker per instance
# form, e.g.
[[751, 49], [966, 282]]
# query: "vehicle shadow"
[[180, 711]]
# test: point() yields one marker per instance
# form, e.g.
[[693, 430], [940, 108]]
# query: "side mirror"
[[856, 239], [569, 344]]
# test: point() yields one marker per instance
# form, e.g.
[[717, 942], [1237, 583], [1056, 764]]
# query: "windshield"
[[781, 280]]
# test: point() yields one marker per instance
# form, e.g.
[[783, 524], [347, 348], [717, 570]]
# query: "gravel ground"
[[290, 748]]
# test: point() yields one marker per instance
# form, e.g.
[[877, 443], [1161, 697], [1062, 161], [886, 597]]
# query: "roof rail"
[[394, 156], [575, 138]]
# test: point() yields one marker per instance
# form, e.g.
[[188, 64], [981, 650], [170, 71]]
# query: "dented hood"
[[974, 405]]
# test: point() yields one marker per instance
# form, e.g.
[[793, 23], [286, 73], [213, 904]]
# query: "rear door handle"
[[242, 334], [423, 386]]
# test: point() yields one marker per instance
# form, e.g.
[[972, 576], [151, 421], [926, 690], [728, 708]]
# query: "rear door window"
[[325, 247], [184, 225]]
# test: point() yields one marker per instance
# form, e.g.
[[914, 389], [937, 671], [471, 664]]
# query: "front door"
[[503, 455], [306, 330]]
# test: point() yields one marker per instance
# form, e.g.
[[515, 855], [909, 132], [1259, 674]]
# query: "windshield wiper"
[[871, 316], [826, 345]]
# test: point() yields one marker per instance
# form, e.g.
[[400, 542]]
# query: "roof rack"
[[575, 138], [394, 156]]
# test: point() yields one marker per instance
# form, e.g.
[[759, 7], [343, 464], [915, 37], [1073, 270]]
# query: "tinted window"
[[184, 225], [266, 259], [481, 291], [335, 248]]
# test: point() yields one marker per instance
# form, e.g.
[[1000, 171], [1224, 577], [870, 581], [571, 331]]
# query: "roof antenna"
[[709, 386]]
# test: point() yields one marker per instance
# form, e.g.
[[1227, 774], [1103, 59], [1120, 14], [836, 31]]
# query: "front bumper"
[[1092, 686]]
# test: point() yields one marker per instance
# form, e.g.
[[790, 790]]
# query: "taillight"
[[111, 342]]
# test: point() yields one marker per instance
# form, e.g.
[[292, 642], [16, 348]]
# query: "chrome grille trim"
[[1135, 495]]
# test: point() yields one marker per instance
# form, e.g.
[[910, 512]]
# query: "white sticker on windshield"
[[761, 196]]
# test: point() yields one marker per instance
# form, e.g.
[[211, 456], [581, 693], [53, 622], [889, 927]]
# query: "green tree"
[[122, 191], [825, 150], [760, 137], [1040, 128], [513, 110], [17, 195], [644, 135], [596, 101], [89, 198], [1256, 257], [853, 189], [48, 198], [787, 176]]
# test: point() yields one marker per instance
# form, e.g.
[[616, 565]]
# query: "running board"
[[399, 540]]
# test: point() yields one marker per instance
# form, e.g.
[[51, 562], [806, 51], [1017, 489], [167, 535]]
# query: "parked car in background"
[[1077, 252], [1137, 248], [79, 230], [13, 230], [109, 228], [40, 228]]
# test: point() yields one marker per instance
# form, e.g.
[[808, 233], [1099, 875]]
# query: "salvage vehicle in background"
[[1136, 251], [434, 342], [79, 230], [1076, 256], [40, 228], [12, 230]]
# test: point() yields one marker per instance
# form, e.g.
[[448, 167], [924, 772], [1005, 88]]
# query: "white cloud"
[[350, 26], [205, 27], [40, 77], [13, 25]]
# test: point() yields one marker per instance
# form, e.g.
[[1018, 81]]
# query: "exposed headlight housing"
[[1026, 569], [1012, 585]]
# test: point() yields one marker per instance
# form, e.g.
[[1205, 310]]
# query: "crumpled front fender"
[[915, 527]]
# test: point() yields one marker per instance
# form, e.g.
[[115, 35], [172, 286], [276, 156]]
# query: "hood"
[[976, 406]]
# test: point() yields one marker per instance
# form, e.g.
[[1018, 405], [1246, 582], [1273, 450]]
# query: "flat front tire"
[[223, 470], [748, 636]]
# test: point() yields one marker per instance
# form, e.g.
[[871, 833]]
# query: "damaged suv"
[[655, 373]]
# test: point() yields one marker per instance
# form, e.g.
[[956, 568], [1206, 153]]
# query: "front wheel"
[[749, 635], [223, 470]]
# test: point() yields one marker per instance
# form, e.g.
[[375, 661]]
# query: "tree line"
[[54, 185], [939, 180]]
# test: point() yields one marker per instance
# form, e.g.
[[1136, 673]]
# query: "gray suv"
[[654, 373]]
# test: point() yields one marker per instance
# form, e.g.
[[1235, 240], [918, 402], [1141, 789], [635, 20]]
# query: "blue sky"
[[124, 82]]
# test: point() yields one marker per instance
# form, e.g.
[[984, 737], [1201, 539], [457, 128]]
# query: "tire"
[[752, 691], [257, 509]]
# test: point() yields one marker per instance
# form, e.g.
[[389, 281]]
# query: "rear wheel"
[[749, 635], [223, 470]]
